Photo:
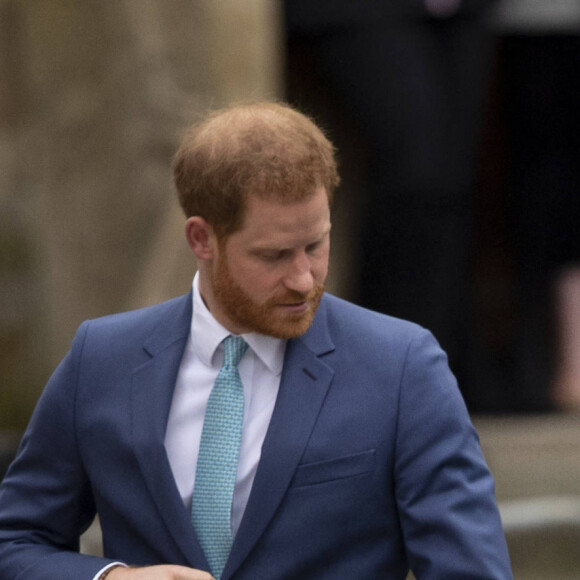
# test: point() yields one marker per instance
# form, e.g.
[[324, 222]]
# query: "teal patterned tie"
[[217, 463]]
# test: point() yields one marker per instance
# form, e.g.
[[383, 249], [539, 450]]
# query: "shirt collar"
[[207, 334]]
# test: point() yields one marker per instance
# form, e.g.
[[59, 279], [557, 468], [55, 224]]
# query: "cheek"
[[258, 283], [320, 269]]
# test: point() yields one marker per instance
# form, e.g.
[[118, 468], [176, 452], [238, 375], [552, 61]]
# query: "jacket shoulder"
[[170, 319], [345, 317]]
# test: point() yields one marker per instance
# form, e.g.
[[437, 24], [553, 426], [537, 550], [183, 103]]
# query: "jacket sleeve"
[[45, 498], [444, 490]]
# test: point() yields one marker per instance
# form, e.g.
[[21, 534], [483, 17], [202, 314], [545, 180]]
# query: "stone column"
[[95, 98]]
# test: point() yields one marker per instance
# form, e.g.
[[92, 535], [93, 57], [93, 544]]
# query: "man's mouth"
[[295, 307]]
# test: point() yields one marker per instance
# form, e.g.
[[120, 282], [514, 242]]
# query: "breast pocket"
[[334, 469]]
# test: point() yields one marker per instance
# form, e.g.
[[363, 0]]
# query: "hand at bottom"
[[159, 573]]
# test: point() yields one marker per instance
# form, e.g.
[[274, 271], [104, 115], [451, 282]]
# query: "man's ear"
[[200, 237]]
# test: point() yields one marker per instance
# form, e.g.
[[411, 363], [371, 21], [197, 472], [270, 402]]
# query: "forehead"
[[272, 221]]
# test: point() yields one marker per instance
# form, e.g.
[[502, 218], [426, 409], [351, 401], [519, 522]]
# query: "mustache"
[[294, 297]]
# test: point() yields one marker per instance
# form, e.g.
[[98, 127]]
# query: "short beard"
[[265, 318]]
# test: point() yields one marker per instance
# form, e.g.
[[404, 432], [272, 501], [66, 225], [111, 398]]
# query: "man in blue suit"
[[356, 457]]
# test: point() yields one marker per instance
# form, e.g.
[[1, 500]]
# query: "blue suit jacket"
[[370, 464]]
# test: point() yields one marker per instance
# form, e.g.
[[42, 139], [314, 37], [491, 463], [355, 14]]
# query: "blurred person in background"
[[408, 78]]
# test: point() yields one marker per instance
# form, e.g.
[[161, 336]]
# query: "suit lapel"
[[152, 390], [303, 387]]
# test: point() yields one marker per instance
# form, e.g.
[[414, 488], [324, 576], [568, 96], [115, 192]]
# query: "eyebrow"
[[281, 248]]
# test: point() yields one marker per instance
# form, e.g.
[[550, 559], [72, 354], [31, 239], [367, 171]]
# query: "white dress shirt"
[[260, 370]]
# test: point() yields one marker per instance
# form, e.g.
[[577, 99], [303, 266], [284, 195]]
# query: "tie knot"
[[235, 347]]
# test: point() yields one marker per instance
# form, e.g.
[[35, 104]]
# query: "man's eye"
[[313, 247], [271, 256]]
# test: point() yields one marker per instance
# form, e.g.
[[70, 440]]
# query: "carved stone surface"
[[93, 99]]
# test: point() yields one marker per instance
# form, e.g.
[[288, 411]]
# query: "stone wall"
[[93, 98]]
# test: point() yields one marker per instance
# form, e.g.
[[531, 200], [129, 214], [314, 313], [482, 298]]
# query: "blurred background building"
[[93, 96], [458, 132]]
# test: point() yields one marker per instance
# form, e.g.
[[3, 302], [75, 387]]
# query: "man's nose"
[[299, 276]]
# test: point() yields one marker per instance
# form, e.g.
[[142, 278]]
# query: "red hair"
[[265, 149]]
